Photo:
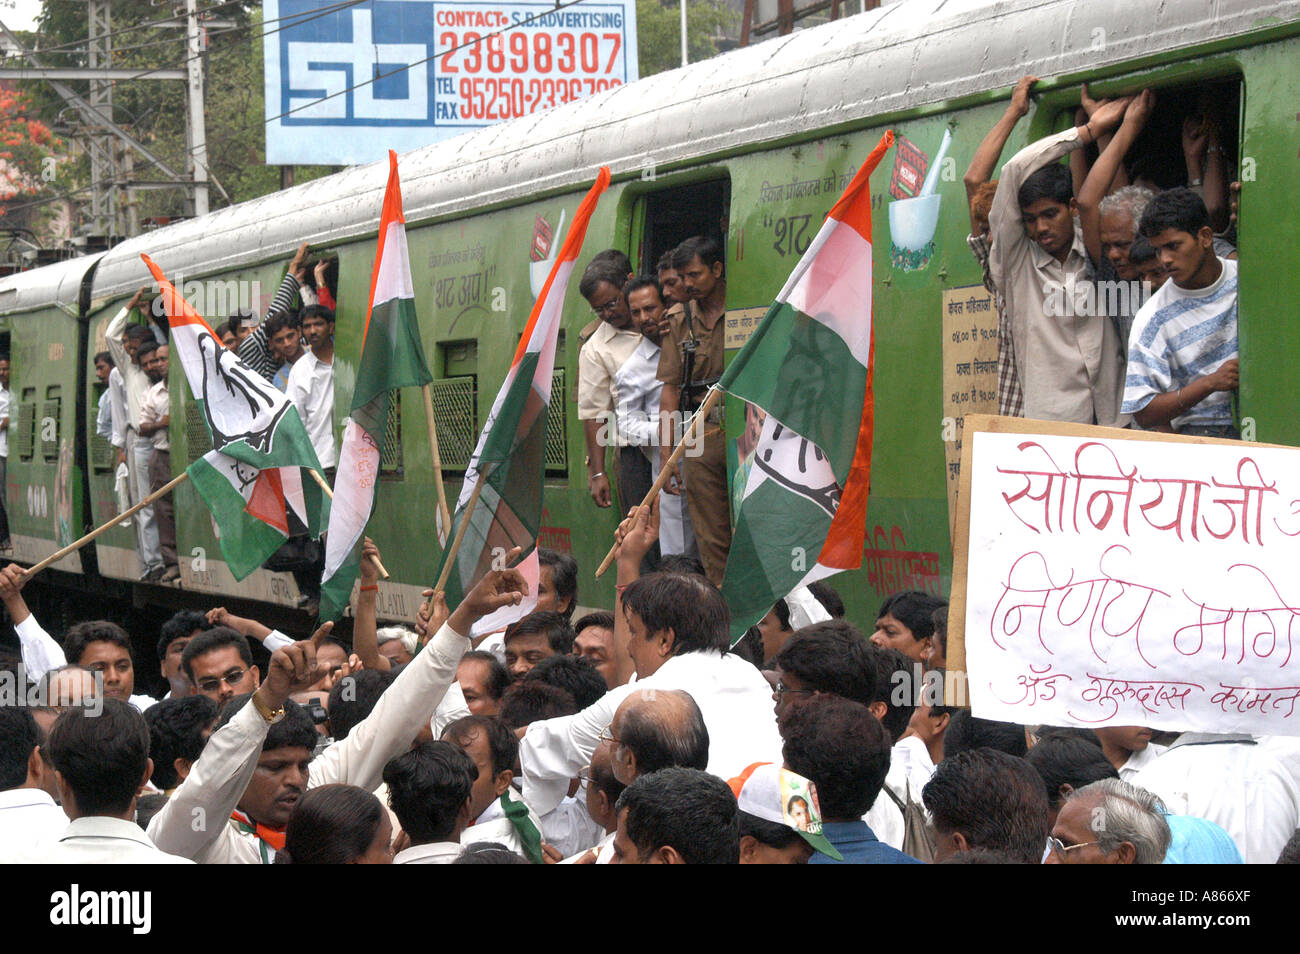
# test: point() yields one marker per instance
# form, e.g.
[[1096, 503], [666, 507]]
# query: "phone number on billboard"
[[482, 79]]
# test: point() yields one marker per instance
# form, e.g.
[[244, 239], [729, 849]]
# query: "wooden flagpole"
[[320, 479], [444, 514], [77, 545], [460, 536]]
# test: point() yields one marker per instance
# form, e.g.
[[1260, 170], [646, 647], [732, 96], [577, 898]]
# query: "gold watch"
[[272, 716]]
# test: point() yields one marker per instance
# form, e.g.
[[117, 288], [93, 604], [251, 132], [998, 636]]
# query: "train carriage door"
[[664, 217]]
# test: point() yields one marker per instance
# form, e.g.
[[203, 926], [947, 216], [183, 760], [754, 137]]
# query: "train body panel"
[[770, 134]]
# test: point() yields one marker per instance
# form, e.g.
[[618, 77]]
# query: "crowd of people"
[[632, 736]]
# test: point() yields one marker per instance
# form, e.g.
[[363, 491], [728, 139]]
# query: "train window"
[[679, 212], [102, 454], [24, 438], [455, 404], [390, 461], [51, 422], [197, 440]]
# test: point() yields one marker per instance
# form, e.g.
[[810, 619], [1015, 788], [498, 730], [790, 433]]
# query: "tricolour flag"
[[391, 357], [808, 367], [252, 478], [508, 512]]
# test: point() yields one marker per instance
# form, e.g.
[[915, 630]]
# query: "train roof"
[[882, 62], [38, 287]]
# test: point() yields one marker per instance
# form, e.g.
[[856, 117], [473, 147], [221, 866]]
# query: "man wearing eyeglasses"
[[610, 347], [220, 665]]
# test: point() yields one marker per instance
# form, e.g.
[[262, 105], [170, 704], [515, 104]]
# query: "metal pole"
[[198, 153], [683, 6]]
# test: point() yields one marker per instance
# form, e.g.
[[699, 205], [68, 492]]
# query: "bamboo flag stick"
[[460, 536], [444, 514], [709, 401], [77, 545], [320, 479]]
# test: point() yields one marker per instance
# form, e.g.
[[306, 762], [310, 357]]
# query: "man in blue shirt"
[[844, 750]]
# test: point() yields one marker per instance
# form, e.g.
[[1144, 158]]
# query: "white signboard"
[[347, 82], [1125, 582]]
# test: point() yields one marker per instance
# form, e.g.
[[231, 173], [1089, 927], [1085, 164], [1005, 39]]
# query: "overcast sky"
[[20, 14]]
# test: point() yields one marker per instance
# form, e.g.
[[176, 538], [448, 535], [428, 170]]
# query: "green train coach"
[[754, 146]]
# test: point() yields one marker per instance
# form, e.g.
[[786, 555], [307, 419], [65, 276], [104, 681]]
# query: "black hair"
[[690, 606], [1062, 760], [605, 782], [488, 853], [241, 317], [222, 330], [138, 333], [101, 757], [296, 730], [554, 626], [1179, 209], [770, 833], [18, 736], [665, 730], [680, 564], [94, 631], [564, 575], [427, 788], [176, 731], [750, 647], [498, 677], [994, 799], [105, 357], [1291, 850], [215, 638], [600, 273], [966, 732], [278, 320], [983, 856], [643, 281], [614, 258], [895, 670], [781, 610], [913, 609], [1141, 251], [331, 825], [576, 674], [686, 809], [840, 747], [147, 806], [318, 311], [147, 347], [502, 742], [180, 625], [831, 656], [828, 597], [665, 262], [939, 619], [1051, 182], [353, 698], [704, 247], [532, 700], [602, 618]]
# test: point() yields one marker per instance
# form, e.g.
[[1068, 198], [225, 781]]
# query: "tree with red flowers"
[[27, 158]]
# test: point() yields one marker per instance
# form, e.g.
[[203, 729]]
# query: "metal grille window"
[[49, 425], [197, 441], [390, 462], [455, 411], [102, 456], [22, 437], [557, 419]]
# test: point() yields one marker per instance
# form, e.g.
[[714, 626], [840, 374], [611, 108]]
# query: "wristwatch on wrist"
[[272, 716]]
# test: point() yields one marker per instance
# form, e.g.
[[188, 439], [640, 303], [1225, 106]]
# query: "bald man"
[[655, 729]]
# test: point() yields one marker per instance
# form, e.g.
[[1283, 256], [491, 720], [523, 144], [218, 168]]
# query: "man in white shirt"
[[429, 791], [311, 383], [28, 813], [4, 451], [123, 342], [155, 418], [1233, 782], [250, 774], [102, 764], [677, 634]]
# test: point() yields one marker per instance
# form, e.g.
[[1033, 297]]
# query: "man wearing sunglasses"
[[220, 665]]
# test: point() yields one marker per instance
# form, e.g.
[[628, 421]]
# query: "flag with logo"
[[510, 451], [808, 367], [252, 478], [391, 357]]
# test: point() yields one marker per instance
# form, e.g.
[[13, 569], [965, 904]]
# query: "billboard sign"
[[347, 82]]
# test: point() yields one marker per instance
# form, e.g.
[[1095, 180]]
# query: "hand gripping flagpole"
[[715, 393]]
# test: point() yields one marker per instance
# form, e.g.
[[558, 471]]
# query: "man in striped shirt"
[[1182, 364]]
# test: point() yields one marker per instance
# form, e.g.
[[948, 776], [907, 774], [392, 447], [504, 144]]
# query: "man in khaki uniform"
[[691, 362]]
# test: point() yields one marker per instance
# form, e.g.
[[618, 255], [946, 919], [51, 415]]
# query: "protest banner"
[[1111, 577]]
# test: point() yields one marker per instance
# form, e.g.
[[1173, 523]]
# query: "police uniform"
[[691, 340]]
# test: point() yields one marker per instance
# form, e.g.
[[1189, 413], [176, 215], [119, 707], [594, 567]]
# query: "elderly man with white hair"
[[1110, 822]]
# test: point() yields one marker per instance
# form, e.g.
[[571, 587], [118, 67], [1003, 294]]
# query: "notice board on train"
[[1112, 577], [345, 82]]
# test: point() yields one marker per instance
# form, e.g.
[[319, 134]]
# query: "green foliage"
[[659, 32]]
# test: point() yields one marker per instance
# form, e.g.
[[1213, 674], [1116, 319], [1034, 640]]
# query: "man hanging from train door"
[[691, 362], [123, 342]]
